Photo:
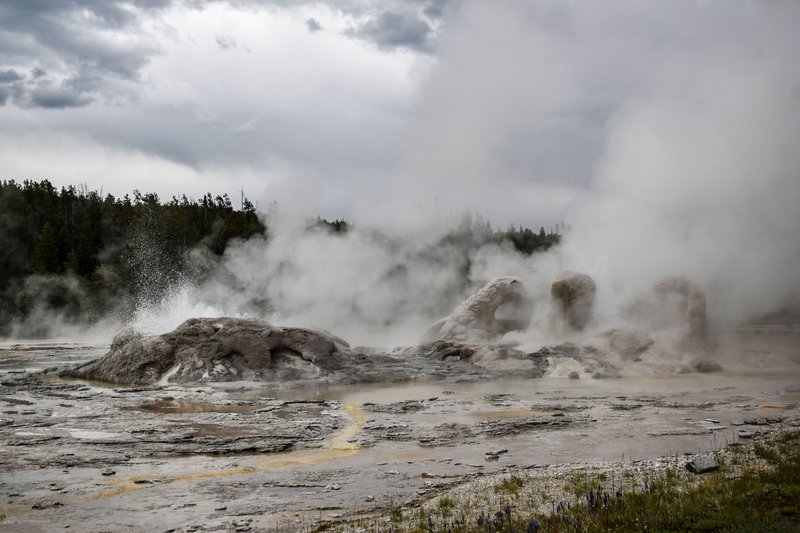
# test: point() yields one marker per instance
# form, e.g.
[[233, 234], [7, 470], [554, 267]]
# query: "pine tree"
[[45, 253]]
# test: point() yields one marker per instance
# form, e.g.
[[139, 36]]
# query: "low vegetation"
[[757, 488]]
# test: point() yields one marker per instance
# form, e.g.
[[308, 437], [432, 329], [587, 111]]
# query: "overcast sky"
[[361, 108]]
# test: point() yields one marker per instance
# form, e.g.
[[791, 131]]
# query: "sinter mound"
[[501, 306], [217, 349], [237, 349]]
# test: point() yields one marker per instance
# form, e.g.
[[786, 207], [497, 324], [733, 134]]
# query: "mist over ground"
[[371, 286], [664, 134]]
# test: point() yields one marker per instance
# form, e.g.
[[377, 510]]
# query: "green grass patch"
[[509, 485]]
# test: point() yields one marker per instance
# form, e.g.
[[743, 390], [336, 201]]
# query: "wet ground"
[[94, 457]]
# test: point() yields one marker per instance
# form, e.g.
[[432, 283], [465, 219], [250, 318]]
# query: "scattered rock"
[[763, 420], [701, 465], [46, 505], [184, 506], [497, 452], [705, 366], [407, 406], [242, 522]]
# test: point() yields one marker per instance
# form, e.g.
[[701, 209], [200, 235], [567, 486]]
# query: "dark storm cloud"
[[436, 8], [388, 24], [408, 24], [89, 45], [84, 43], [392, 29], [10, 76], [41, 90], [57, 98], [313, 25]]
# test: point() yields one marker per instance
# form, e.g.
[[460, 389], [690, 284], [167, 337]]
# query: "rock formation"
[[463, 346], [237, 349], [573, 295], [217, 349], [502, 305]]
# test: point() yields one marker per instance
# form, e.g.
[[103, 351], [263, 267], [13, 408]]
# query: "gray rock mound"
[[573, 295], [502, 305], [238, 349], [217, 349], [473, 353], [461, 360]]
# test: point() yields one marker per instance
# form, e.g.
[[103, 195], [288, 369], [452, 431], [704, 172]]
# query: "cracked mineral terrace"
[[255, 456]]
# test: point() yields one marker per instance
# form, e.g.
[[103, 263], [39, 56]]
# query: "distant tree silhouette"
[[45, 253]]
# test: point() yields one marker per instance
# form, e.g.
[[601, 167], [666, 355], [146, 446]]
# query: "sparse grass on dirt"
[[757, 488]]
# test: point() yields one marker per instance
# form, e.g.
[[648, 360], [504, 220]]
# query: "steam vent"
[[675, 303]]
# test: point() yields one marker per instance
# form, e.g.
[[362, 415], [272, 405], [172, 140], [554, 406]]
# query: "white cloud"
[[310, 111]]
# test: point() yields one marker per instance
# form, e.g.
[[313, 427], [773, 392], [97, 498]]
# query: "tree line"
[[88, 256], [52, 239]]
